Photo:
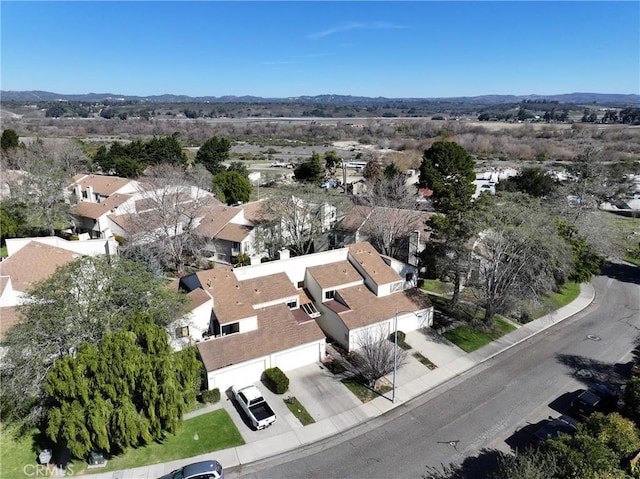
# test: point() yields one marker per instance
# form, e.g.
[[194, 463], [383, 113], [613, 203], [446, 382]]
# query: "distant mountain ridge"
[[598, 98]]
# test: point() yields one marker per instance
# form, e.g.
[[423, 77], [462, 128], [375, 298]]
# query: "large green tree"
[[9, 140], [130, 160], [448, 170], [82, 301], [534, 181], [311, 170], [586, 261], [13, 220], [232, 187], [127, 391], [213, 153]]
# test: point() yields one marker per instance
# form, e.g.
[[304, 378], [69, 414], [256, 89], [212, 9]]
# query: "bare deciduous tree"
[[300, 216], [374, 357], [167, 214], [520, 255]]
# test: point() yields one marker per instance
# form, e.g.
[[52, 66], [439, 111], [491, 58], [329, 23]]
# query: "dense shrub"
[[276, 380], [211, 395]]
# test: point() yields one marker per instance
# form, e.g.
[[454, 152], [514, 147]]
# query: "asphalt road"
[[490, 408]]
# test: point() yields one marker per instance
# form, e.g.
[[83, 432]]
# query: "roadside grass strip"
[[298, 410], [364, 392], [469, 339], [424, 360], [568, 293]]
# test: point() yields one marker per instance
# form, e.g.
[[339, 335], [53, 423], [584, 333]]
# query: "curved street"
[[487, 408]]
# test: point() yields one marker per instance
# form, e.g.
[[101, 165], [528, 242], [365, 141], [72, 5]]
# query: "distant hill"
[[581, 98]]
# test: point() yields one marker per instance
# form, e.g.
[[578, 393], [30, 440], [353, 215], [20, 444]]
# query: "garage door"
[[299, 357], [245, 373]]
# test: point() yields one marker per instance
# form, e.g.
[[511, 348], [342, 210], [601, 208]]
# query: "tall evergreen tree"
[[448, 170], [213, 153], [128, 391]]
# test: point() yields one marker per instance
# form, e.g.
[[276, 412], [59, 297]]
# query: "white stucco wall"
[[251, 371]]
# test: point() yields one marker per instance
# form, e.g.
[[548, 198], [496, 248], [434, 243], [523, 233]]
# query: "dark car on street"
[[552, 427], [597, 398], [198, 470]]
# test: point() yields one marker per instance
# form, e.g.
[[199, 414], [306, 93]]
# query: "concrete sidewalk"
[[336, 409]]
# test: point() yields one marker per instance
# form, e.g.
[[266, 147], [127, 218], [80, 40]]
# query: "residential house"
[[31, 260], [244, 320], [399, 233], [110, 205], [227, 232]]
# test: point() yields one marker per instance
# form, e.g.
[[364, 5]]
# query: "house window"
[[230, 328], [396, 287], [292, 304], [330, 294], [84, 194], [300, 284], [310, 309], [182, 332]]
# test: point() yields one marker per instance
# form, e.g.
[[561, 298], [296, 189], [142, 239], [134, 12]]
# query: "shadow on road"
[[622, 272], [519, 439], [562, 403], [591, 371], [481, 466]]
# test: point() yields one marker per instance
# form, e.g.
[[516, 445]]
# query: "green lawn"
[[214, 431], [299, 411], [557, 300], [17, 454], [469, 339], [437, 286]]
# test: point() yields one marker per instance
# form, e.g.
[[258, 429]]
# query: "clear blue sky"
[[280, 49]]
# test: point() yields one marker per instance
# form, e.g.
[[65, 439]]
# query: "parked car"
[[552, 427], [597, 398], [198, 470], [254, 406]]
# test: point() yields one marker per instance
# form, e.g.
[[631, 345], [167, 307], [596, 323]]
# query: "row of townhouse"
[[280, 313], [108, 206], [245, 320]]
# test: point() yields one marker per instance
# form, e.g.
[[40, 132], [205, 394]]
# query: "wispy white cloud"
[[345, 27]]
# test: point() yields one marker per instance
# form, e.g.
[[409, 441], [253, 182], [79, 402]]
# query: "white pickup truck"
[[254, 405]]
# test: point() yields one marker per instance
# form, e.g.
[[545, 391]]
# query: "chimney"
[[284, 254]]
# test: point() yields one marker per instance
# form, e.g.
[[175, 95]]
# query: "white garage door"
[[299, 357], [242, 374]]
